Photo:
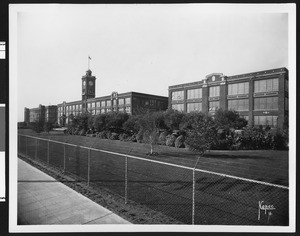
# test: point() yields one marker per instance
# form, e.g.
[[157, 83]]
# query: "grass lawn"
[[263, 165]]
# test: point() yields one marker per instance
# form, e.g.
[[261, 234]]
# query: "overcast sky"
[[141, 48]]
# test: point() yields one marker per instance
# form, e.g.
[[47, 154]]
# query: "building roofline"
[[251, 74], [119, 94]]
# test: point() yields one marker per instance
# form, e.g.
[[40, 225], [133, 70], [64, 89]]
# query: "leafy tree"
[[48, 126], [229, 119], [201, 133], [130, 126], [100, 122], [189, 119], [115, 121], [83, 121], [38, 126], [173, 119]]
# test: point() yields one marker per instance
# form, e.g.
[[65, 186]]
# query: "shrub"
[[114, 136], [261, 139], [280, 141], [123, 137], [162, 138], [103, 135], [76, 132], [82, 132], [170, 140], [222, 144], [132, 138], [179, 142]]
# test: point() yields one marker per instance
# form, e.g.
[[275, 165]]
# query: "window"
[[245, 117], [108, 109], [239, 88], [128, 110], [153, 103], [97, 104], [102, 103], [93, 104], [102, 111], [108, 103], [197, 106], [121, 101], [214, 91], [178, 107], [177, 95], [194, 93], [127, 101], [268, 85], [114, 103], [213, 106], [267, 103], [266, 120], [238, 105]]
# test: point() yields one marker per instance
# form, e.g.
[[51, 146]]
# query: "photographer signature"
[[265, 207]]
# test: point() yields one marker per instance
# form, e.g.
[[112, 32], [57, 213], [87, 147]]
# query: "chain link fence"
[[189, 195]]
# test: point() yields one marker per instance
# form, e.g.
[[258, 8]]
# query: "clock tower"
[[88, 88]]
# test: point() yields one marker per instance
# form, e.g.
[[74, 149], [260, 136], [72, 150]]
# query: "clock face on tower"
[[91, 83]]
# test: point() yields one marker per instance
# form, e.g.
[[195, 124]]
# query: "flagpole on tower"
[[89, 58]]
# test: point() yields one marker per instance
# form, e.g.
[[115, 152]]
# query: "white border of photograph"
[[2, 170], [14, 9]]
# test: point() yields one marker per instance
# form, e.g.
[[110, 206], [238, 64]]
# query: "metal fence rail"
[[189, 195]]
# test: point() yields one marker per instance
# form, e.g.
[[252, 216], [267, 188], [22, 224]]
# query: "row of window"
[[267, 103], [266, 121], [152, 103], [95, 112], [239, 88], [269, 85], [238, 105], [107, 103]]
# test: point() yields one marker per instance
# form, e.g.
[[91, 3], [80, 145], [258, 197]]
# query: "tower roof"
[[88, 72]]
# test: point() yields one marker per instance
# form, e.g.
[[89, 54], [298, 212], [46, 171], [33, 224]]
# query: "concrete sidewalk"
[[43, 200]]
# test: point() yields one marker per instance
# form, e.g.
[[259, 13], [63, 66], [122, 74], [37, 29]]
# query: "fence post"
[[48, 152], [36, 144], [126, 178], [89, 160], [26, 146], [193, 194], [193, 210], [64, 157]]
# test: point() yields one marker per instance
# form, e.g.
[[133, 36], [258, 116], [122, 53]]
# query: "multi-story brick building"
[[51, 114], [260, 97], [41, 113], [34, 114], [130, 102]]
